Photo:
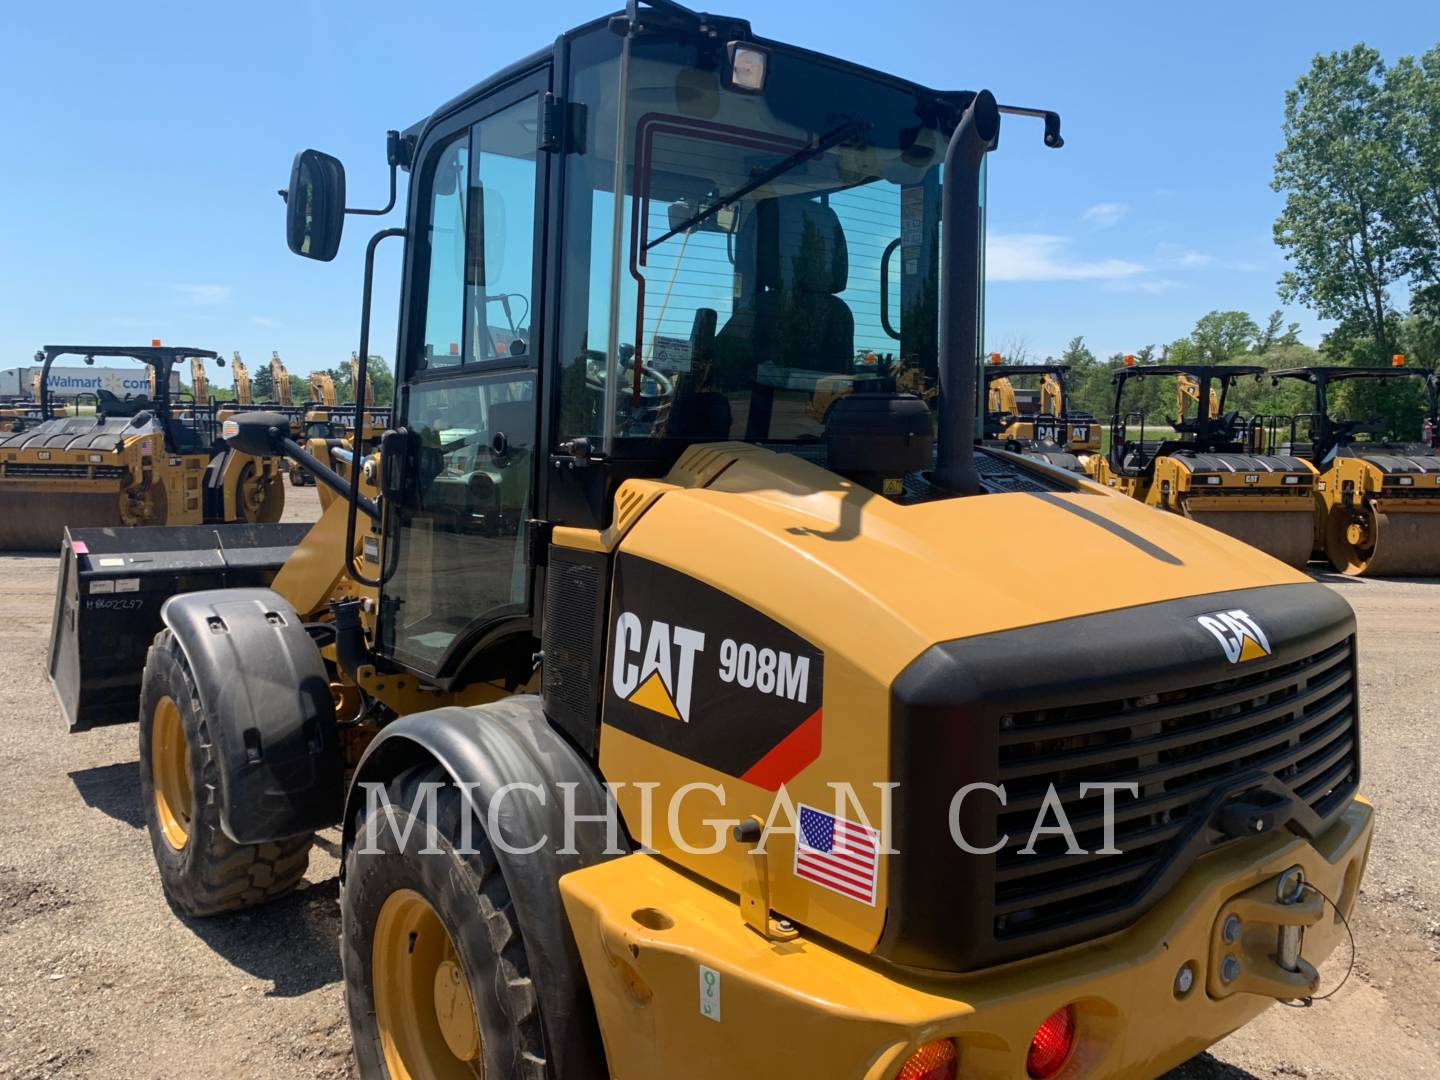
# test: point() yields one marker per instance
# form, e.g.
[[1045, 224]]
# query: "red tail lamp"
[[934, 1061], [1051, 1046]]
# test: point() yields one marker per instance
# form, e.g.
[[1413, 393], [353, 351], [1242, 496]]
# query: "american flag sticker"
[[839, 855]]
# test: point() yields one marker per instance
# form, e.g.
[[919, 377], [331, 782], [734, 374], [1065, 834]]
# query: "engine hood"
[[819, 554]]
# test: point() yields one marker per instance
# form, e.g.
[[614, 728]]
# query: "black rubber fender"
[[268, 708], [483, 748]]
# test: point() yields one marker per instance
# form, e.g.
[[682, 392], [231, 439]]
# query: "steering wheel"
[[596, 376]]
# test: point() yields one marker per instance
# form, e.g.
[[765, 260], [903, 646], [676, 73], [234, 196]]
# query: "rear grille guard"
[[1289, 731], [1141, 694]]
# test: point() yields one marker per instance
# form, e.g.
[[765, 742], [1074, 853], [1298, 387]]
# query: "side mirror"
[[258, 434], [394, 448], [315, 205]]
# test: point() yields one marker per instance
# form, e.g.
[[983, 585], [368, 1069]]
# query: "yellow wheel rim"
[[170, 771], [423, 1008]]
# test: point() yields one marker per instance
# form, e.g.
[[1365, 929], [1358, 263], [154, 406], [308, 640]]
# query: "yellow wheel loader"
[[1034, 420], [661, 740], [133, 462], [1210, 468], [1377, 500]]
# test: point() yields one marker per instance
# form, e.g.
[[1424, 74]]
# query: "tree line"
[[1360, 229]]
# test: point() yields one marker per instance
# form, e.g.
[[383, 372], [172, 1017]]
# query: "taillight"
[[1051, 1046], [933, 1061]]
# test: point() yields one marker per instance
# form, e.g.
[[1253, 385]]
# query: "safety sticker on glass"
[[709, 992]]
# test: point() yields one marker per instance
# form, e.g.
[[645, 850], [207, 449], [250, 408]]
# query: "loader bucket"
[[112, 584]]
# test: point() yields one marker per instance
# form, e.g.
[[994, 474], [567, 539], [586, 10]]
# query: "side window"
[[443, 308], [481, 256], [501, 226], [461, 527]]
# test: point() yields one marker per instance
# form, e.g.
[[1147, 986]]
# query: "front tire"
[[437, 980], [203, 871]]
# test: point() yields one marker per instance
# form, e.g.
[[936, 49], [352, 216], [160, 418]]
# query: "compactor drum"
[[131, 463], [1207, 470], [1377, 501]]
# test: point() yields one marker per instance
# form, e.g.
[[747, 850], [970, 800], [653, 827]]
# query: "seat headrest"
[[800, 245]]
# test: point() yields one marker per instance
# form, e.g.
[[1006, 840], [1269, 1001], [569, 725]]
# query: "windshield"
[[776, 251]]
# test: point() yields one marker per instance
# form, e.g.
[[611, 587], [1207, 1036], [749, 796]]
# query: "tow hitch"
[[1257, 939]]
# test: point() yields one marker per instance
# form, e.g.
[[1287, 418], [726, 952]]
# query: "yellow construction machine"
[[1210, 468], [242, 380], [134, 462], [662, 742], [279, 382], [1377, 499], [1034, 419]]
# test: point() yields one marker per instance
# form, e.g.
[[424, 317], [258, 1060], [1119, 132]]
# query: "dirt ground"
[[100, 979]]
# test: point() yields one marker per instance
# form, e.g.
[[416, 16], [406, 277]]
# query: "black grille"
[[46, 471], [1294, 723], [572, 639]]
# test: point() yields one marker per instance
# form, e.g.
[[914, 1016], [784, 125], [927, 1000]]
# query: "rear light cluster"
[[933, 1061], [1050, 1048]]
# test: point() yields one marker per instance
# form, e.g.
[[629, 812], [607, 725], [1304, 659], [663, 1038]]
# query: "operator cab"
[[660, 233], [1212, 430], [1324, 433]]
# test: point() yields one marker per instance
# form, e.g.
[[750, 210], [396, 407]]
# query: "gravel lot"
[[100, 979]]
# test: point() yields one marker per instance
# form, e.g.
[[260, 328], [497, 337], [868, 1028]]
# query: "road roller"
[[1034, 419], [1377, 499], [1208, 468], [134, 462]]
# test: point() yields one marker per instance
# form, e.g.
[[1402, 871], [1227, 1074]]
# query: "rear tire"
[[413, 924], [203, 871]]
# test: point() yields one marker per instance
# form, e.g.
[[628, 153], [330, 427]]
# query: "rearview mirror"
[[315, 205], [394, 448], [259, 434]]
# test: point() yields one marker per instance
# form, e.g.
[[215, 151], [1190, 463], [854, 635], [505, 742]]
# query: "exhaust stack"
[[960, 294]]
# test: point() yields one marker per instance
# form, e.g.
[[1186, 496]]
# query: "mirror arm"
[[394, 166], [333, 480], [362, 368]]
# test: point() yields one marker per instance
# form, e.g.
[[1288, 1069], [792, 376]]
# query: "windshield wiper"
[[850, 128]]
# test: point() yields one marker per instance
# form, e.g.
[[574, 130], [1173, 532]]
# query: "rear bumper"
[[805, 1008]]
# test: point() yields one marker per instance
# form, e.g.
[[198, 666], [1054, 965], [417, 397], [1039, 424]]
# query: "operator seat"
[[792, 260]]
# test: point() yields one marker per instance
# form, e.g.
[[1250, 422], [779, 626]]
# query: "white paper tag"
[[671, 354], [112, 561], [709, 992], [127, 584], [101, 587]]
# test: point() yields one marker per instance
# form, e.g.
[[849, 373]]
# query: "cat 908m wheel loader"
[[662, 740]]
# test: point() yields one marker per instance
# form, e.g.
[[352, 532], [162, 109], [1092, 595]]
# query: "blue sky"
[[145, 143]]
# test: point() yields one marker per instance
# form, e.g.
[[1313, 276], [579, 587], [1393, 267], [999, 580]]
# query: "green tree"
[[1414, 89], [1272, 338], [1223, 335], [1345, 192], [377, 374]]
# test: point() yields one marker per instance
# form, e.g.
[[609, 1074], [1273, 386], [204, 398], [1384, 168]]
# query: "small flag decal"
[[839, 855]]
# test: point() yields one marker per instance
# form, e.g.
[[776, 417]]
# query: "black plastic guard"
[[483, 749], [268, 708]]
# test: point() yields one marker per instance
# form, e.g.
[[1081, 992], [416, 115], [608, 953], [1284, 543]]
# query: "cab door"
[[457, 538]]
